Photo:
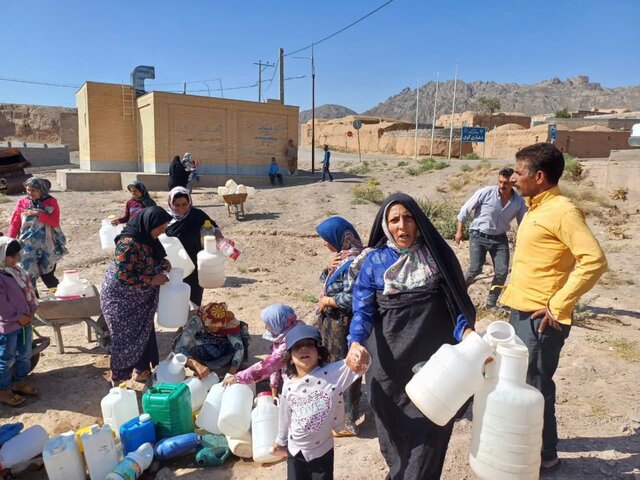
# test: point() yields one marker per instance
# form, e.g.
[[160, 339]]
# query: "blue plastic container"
[[137, 431], [176, 446]]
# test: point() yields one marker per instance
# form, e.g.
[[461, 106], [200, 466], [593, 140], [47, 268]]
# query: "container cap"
[[264, 394], [207, 224], [144, 418]]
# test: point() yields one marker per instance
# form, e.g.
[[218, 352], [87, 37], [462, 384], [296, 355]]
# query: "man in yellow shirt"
[[556, 260]]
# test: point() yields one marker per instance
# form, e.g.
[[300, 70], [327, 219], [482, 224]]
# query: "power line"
[[341, 30], [35, 82]]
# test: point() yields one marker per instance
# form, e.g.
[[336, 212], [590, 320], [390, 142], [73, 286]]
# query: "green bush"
[[443, 215], [484, 165], [471, 156], [572, 168], [426, 165], [369, 192], [465, 168], [564, 113]]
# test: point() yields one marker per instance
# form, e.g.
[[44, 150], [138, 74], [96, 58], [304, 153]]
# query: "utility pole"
[[260, 70], [435, 107], [453, 109], [313, 114], [415, 140], [282, 76]]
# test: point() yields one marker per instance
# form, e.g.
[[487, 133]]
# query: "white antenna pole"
[[435, 106], [453, 109], [415, 148]]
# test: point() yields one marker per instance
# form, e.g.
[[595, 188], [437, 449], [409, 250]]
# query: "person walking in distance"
[[325, 164], [291, 153], [494, 209], [556, 261]]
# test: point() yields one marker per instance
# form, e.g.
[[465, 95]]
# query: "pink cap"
[[264, 394]]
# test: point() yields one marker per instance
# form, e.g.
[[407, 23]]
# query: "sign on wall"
[[473, 134]]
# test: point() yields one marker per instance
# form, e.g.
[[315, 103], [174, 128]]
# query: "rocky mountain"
[[327, 111], [576, 93]]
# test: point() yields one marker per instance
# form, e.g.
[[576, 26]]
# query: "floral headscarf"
[[217, 318], [19, 275], [415, 265], [172, 194], [278, 319]]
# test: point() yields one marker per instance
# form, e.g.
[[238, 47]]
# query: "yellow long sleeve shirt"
[[553, 238]]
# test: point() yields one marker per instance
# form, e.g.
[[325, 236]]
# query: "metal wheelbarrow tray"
[[58, 313]]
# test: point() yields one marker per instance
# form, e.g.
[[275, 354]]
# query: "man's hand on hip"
[[547, 320]]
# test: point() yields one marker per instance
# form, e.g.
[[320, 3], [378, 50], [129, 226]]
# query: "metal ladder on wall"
[[128, 97]]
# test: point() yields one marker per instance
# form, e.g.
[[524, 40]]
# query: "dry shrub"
[[619, 193], [443, 215]]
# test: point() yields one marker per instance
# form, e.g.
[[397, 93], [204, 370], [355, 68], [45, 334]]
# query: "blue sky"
[[198, 41]]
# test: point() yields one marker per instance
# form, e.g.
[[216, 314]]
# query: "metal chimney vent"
[[139, 75]]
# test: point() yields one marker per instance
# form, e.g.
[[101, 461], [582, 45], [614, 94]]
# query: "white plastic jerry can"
[[173, 303], [235, 410], [118, 407], [100, 451], [62, 458], [264, 427], [207, 419], [210, 264], [171, 369]]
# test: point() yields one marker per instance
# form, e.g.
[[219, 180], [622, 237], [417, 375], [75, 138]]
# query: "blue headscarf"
[[342, 236], [278, 319]]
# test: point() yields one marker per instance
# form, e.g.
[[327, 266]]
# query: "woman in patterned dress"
[[129, 295], [36, 224], [334, 308]]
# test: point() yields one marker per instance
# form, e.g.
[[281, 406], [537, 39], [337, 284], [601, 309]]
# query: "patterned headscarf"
[[278, 319], [342, 236], [19, 275], [415, 265], [145, 199], [42, 185], [172, 194], [217, 318]]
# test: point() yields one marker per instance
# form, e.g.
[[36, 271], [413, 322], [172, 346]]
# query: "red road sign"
[[349, 134]]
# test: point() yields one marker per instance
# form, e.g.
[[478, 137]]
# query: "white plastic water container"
[[449, 378], [173, 303], [171, 369], [118, 407], [497, 333], [62, 458], [210, 264], [241, 445], [511, 436], [235, 410], [177, 255], [199, 389], [133, 464], [108, 234], [26, 445], [74, 286], [231, 186], [207, 419], [264, 427], [100, 451]]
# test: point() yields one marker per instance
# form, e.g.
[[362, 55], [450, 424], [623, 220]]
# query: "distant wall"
[[483, 120], [573, 123], [39, 124], [40, 154]]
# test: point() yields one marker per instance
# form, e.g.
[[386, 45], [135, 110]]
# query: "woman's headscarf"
[[172, 194], [145, 199], [278, 319], [437, 248], [19, 275], [217, 318], [140, 226], [342, 236], [42, 185]]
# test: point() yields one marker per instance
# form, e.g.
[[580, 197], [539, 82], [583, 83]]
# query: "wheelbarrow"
[[235, 204], [57, 313]]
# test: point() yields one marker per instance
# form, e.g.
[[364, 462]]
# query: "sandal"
[[350, 430], [24, 389], [15, 400], [551, 467]]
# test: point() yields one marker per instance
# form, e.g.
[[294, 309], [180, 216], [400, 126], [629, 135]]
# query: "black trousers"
[[196, 290], [317, 469], [50, 279], [544, 355], [273, 176]]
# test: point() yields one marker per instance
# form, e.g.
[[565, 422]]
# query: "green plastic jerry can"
[[169, 405]]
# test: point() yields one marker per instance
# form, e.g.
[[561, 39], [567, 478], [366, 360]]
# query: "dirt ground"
[[598, 405]]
